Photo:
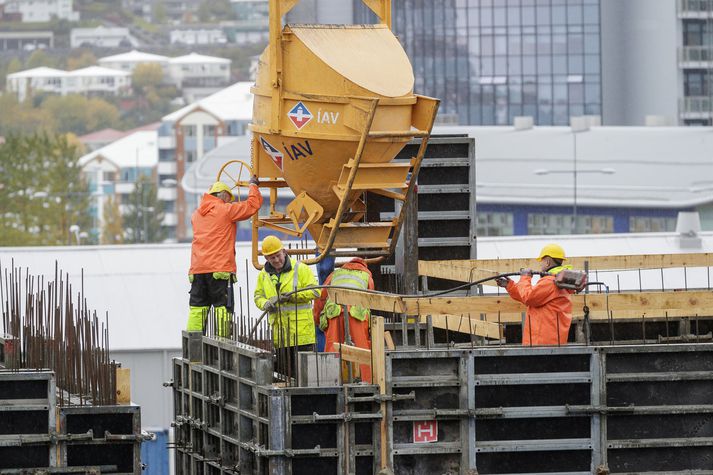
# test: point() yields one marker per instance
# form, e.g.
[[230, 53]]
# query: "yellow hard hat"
[[219, 186], [554, 251], [271, 245]]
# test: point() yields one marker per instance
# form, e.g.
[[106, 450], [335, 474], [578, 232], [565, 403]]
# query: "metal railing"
[[698, 54], [695, 6], [696, 105]]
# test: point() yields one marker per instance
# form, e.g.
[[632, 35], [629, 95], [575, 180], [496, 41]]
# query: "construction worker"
[[213, 267], [549, 308], [329, 315], [289, 314]]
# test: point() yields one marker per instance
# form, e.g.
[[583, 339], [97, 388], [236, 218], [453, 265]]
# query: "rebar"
[[52, 330]]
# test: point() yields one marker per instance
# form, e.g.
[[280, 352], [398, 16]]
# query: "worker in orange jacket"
[[213, 253], [549, 308], [329, 315]]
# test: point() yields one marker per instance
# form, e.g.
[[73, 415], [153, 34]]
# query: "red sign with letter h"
[[425, 432]]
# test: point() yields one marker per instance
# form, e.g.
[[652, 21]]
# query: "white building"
[[187, 135], [197, 70], [201, 36], [114, 169], [129, 61], [101, 37], [25, 83], [90, 80], [41, 10]]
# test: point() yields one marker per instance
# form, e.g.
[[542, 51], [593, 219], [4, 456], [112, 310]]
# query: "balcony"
[[696, 107], [167, 194], [169, 219], [166, 142], [166, 168], [698, 57], [695, 9]]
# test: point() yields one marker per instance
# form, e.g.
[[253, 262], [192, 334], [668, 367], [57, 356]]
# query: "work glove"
[[254, 181], [524, 271], [271, 304], [502, 281]]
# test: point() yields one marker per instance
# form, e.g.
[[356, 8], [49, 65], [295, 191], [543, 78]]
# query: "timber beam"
[[503, 309], [472, 270]]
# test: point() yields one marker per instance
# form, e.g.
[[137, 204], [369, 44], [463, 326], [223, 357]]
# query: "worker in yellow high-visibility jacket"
[[290, 317]]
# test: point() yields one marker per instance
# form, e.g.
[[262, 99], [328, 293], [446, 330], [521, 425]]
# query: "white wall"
[[640, 74]]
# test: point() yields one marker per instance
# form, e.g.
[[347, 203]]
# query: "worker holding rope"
[[549, 307]]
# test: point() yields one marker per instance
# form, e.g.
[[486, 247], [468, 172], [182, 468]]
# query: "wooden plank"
[[353, 353], [389, 341], [384, 302], [378, 376], [465, 324], [470, 270], [123, 386]]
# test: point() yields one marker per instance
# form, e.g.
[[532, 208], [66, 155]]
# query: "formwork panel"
[[535, 462], [28, 456], [533, 429], [525, 395], [661, 460]]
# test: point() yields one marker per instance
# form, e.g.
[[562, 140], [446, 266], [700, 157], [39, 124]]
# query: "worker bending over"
[[289, 316], [549, 308], [213, 253], [330, 316]]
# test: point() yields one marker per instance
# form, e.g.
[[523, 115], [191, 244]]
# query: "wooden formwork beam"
[[623, 305], [378, 377], [353, 354], [471, 270], [466, 324]]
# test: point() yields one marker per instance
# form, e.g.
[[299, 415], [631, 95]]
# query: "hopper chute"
[[334, 104]]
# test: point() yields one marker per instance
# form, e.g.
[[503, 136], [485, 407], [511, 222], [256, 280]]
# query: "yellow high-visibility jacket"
[[292, 323]]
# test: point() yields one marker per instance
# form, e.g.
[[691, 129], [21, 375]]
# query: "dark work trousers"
[[206, 292]]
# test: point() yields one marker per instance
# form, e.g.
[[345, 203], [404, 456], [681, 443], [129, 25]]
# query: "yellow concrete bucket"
[[334, 105]]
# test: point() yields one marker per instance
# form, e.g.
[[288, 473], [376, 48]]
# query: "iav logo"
[[299, 115], [275, 154]]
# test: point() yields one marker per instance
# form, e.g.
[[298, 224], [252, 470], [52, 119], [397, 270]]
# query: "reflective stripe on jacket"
[[354, 279], [549, 309], [352, 274], [292, 323], [213, 248]]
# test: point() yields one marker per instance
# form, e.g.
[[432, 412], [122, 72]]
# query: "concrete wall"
[[149, 370], [640, 74]]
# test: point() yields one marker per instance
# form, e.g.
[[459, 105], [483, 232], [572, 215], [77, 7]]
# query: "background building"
[[101, 37], [40, 10], [93, 80], [187, 135], [589, 180], [26, 40]]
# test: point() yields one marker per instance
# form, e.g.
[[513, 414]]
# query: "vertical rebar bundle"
[[51, 327]]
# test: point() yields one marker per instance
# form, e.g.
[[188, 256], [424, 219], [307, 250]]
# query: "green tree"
[[146, 76], [40, 58], [14, 66], [77, 114], [42, 193], [80, 58], [215, 10], [17, 118], [113, 226], [159, 12], [143, 218]]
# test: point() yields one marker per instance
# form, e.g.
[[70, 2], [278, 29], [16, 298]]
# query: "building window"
[[695, 83], [209, 131], [190, 156], [641, 224], [544, 224], [494, 224], [189, 130]]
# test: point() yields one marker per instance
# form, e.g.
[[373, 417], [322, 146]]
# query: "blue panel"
[[154, 454]]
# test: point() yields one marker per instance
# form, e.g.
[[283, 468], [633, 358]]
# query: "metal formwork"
[[230, 418], [606, 409], [27, 415], [37, 435], [101, 436]]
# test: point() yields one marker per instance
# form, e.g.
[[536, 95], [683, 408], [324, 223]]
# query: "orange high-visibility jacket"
[[549, 310], [213, 248]]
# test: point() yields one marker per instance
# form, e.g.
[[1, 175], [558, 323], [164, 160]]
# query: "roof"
[[134, 56], [139, 149], [145, 287], [42, 71], [100, 30], [110, 135], [647, 167], [98, 71], [195, 58], [232, 103]]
